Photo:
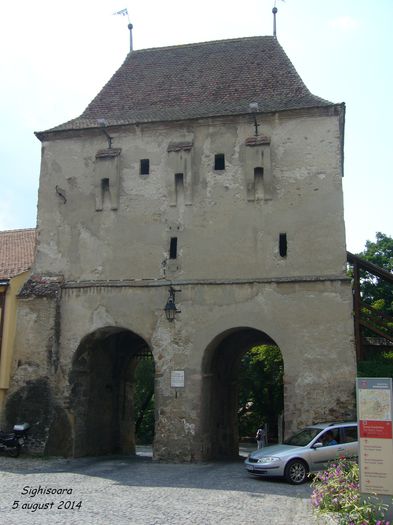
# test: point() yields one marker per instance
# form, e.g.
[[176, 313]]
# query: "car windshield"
[[303, 438]]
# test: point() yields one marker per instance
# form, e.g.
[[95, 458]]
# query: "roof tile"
[[198, 80], [17, 249]]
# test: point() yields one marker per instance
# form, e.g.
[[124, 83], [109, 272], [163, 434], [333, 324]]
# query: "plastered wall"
[[114, 259], [221, 232]]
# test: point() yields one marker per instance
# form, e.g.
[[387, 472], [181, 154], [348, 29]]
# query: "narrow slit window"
[[179, 188], [145, 167], [105, 184], [283, 244], [258, 181], [173, 248], [219, 161]]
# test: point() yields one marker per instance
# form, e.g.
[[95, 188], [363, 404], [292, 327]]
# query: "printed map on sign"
[[374, 405]]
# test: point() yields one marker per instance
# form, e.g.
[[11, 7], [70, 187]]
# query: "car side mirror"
[[318, 444]]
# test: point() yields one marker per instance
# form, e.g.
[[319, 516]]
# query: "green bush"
[[377, 365], [336, 490]]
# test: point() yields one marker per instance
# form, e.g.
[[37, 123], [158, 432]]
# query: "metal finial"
[[274, 11], [130, 26]]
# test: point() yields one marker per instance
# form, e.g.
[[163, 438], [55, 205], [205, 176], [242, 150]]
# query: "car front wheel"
[[296, 472]]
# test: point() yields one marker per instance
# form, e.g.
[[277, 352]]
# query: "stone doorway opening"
[[108, 403], [223, 370]]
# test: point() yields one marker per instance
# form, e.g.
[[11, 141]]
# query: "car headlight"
[[268, 459]]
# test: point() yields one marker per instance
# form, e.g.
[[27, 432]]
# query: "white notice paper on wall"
[[177, 379]]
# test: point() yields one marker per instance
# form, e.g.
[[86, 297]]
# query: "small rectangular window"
[[219, 161], [144, 166], [105, 184], [173, 248], [283, 244]]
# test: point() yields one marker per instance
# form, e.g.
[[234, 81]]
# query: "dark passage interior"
[[220, 390], [103, 392]]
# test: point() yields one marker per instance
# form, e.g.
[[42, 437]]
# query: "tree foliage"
[[375, 291], [377, 364], [379, 294], [144, 401], [260, 389]]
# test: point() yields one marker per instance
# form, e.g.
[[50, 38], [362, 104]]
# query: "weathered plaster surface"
[[240, 238], [117, 270]]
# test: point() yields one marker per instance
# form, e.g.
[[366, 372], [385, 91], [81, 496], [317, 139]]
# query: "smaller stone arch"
[[102, 391], [220, 367]]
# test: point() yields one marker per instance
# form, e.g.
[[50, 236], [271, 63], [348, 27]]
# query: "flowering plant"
[[336, 490]]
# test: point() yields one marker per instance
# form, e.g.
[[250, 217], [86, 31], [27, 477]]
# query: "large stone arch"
[[237, 317], [220, 367], [101, 391]]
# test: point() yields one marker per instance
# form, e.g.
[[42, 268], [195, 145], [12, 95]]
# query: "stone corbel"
[[107, 177], [179, 162], [258, 157]]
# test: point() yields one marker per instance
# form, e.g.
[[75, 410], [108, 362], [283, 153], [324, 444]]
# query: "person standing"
[[260, 437]]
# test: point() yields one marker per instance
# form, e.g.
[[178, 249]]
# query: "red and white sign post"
[[375, 417]]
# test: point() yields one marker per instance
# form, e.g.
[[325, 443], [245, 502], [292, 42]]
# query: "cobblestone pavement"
[[137, 491]]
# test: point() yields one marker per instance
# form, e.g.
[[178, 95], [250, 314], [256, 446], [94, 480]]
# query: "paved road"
[[137, 491]]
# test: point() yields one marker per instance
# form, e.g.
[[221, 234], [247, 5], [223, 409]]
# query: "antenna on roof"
[[130, 26], [124, 12], [274, 11]]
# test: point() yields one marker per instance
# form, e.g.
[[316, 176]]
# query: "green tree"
[[379, 294], [375, 291], [260, 389], [144, 401]]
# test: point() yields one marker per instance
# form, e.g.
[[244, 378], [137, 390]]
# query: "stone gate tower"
[[209, 168]]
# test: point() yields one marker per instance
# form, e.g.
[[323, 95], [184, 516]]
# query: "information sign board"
[[375, 415], [177, 379]]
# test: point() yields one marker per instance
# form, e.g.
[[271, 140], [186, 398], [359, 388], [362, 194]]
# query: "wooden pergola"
[[365, 316]]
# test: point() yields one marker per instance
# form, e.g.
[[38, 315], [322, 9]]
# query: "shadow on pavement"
[[142, 471]]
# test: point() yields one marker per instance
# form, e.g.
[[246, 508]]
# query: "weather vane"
[[124, 12]]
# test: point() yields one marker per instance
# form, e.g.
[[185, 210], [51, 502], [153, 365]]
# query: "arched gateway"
[[206, 179], [102, 391], [220, 373]]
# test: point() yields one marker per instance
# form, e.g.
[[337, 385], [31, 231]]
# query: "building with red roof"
[[17, 249]]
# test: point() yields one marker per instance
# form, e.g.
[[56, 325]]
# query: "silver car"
[[309, 450]]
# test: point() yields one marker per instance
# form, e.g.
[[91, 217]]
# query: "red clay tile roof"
[[17, 249], [198, 80]]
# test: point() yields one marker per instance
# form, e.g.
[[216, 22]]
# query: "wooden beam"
[[364, 323], [357, 311]]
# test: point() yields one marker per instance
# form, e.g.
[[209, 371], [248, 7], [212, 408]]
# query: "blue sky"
[[56, 56]]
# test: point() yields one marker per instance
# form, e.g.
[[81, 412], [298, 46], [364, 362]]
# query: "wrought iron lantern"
[[170, 307]]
